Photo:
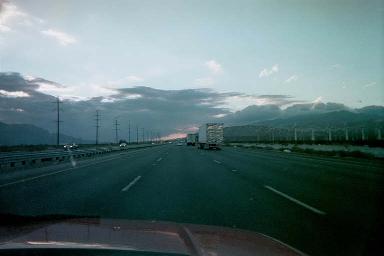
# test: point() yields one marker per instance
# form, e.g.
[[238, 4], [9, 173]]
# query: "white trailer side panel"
[[203, 134]]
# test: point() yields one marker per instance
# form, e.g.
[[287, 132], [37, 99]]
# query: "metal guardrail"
[[19, 159]]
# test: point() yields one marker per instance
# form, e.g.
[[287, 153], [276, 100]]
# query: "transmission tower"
[[116, 131], [97, 126], [58, 121]]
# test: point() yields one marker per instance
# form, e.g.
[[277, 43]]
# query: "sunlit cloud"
[[241, 101], [11, 16], [174, 136], [52, 88], [214, 66], [17, 109], [107, 100], [9, 13], [61, 37], [133, 96], [291, 79], [15, 94], [268, 72], [219, 115], [316, 102]]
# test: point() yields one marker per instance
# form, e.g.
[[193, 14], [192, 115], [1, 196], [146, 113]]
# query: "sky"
[[330, 51]]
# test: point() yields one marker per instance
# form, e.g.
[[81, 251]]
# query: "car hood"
[[148, 236]]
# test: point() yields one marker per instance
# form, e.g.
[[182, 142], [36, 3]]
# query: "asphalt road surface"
[[321, 206]]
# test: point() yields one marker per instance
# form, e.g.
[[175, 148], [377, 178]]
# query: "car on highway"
[[71, 146], [123, 145]]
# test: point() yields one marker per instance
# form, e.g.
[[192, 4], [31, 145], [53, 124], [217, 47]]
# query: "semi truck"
[[211, 135], [191, 139]]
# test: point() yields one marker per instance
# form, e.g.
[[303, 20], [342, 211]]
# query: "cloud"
[[61, 37], [291, 79], [240, 101], [220, 115], [163, 111], [174, 136], [369, 84], [11, 16], [205, 81], [14, 94], [214, 67], [268, 72], [9, 13]]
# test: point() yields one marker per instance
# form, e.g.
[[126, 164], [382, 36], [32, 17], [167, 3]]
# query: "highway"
[[321, 206]]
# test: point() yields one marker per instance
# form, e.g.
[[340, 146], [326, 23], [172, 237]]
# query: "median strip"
[[131, 184], [308, 207]]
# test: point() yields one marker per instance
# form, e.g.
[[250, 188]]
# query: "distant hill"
[[26, 134]]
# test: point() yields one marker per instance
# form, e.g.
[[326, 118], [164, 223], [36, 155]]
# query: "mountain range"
[[28, 112]]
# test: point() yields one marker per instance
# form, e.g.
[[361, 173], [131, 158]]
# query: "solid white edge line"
[[313, 209], [131, 184]]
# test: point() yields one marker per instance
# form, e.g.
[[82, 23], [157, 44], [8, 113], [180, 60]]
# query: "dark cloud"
[[159, 111]]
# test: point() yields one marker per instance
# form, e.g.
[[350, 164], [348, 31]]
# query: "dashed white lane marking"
[[131, 184], [158, 160], [308, 207], [218, 162], [234, 170]]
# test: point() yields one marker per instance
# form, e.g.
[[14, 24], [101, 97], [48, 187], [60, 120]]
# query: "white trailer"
[[211, 135], [191, 139]]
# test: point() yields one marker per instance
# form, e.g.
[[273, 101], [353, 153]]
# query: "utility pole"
[[58, 121], [97, 126], [362, 134], [346, 134], [116, 133], [378, 134], [295, 131], [329, 135], [129, 131], [312, 135], [143, 134], [137, 134]]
